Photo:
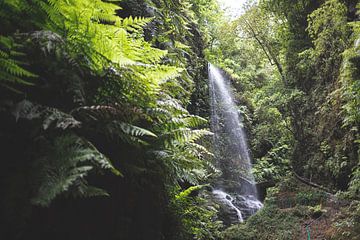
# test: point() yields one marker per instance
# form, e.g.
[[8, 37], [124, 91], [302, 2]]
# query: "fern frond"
[[8, 78], [52, 9], [86, 191], [127, 133], [160, 74], [182, 121], [134, 23], [64, 168], [49, 116], [11, 72], [135, 131], [48, 41], [172, 105], [106, 112], [113, 121], [197, 148], [184, 135], [194, 121], [159, 113]]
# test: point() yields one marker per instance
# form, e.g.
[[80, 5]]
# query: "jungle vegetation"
[[104, 113]]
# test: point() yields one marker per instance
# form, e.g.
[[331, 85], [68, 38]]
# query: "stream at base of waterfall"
[[235, 190]]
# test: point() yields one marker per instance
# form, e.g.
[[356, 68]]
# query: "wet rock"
[[235, 208]]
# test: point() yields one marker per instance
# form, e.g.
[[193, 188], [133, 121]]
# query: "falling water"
[[231, 149], [229, 201]]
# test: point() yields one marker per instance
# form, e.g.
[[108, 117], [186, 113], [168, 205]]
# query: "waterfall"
[[231, 150], [229, 201]]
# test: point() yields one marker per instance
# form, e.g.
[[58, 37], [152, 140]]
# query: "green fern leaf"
[[49, 116], [64, 168]]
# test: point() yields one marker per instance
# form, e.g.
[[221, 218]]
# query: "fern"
[[172, 105], [64, 168], [186, 193], [183, 135], [49, 116], [183, 156], [134, 23], [11, 72], [178, 136], [112, 119], [97, 32], [141, 92], [106, 112], [125, 132], [135, 131]]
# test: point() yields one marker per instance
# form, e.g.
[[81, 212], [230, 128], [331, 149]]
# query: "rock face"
[[248, 205], [229, 213], [235, 208]]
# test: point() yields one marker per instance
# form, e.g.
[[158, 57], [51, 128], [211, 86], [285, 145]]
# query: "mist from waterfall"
[[231, 148]]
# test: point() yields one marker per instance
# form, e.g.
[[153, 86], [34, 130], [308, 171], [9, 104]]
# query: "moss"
[[269, 223], [287, 208]]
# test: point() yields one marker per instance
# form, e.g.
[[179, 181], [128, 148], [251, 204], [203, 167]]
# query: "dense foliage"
[[94, 103], [295, 66], [104, 116]]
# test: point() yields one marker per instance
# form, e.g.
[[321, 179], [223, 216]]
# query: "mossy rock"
[[269, 223]]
